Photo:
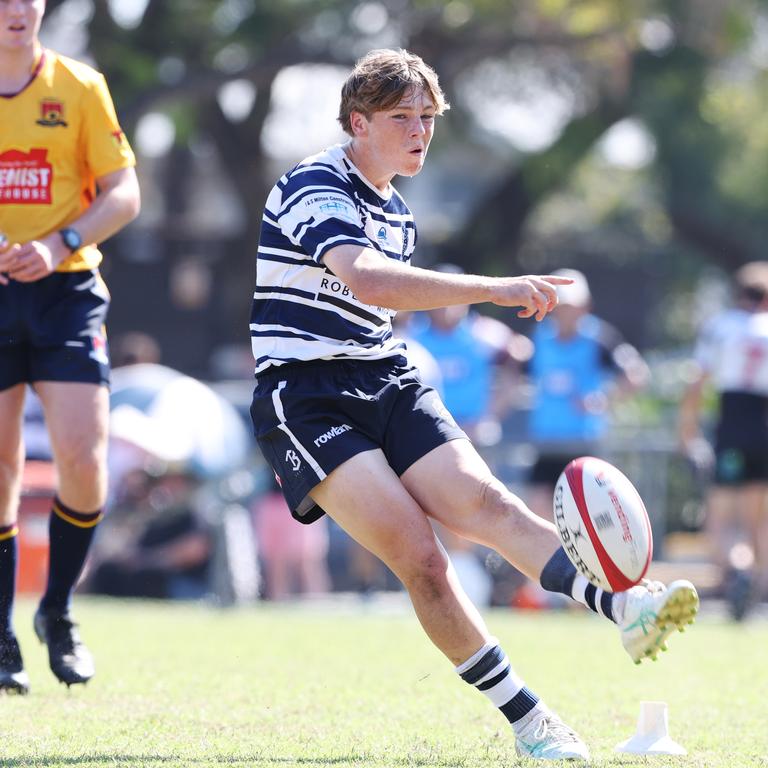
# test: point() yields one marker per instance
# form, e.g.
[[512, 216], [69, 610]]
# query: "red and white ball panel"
[[603, 524]]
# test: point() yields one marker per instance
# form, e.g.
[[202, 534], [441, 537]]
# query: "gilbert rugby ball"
[[603, 524]]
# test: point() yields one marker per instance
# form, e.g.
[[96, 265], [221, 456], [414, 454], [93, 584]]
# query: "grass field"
[[342, 685]]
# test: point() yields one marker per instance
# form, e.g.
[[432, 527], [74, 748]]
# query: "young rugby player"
[[351, 431], [67, 183]]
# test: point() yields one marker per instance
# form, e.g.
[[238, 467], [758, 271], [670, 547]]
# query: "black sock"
[[8, 557], [71, 534]]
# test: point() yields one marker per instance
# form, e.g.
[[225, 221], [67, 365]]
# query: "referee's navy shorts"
[[53, 330], [309, 418]]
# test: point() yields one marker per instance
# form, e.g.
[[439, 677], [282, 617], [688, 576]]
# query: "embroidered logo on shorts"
[[293, 459], [331, 433]]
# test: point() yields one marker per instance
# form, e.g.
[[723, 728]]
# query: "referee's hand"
[[7, 258], [34, 260]]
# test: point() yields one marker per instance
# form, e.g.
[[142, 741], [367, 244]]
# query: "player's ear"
[[359, 123]]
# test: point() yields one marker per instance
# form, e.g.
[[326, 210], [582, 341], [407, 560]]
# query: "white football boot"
[[546, 737], [652, 612]]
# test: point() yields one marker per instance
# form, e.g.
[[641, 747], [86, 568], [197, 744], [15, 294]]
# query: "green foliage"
[[688, 72], [739, 109]]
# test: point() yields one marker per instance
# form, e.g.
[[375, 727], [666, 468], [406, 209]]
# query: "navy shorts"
[[739, 466], [53, 330], [741, 439], [309, 418]]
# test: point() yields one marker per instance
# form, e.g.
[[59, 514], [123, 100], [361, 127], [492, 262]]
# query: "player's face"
[[19, 23], [396, 140]]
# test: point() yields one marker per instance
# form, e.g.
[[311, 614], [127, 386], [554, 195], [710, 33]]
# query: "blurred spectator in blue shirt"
[[474, 353], [579, 364]]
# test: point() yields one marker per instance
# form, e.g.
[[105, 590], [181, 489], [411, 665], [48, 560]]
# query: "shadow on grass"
[[111, 759]]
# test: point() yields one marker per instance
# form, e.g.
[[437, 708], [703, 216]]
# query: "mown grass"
[[346, 685]]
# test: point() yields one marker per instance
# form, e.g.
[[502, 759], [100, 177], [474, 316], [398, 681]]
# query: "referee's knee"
[[10, 482], [81, 465]]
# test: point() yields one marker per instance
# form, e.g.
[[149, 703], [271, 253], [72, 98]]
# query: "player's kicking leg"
[[466, 498], [367, 499]]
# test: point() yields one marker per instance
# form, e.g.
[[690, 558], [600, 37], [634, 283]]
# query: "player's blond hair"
[[381, 78]]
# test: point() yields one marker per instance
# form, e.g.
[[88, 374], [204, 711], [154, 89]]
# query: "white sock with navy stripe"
[[593, 597], [491, 673]]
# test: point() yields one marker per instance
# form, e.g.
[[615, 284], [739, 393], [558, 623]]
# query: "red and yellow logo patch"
[[51, 113], [25, 177]]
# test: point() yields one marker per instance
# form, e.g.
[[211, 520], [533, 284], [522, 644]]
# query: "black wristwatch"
[[71, 238]]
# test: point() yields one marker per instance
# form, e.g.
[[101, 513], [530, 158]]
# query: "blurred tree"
[[537, 87], [665, 64]]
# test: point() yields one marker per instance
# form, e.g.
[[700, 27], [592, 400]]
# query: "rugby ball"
[[603, 524]]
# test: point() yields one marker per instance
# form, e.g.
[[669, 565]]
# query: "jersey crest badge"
[[51, 113]]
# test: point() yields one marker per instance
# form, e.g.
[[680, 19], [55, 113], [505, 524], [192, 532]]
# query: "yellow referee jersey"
[[57, 136]]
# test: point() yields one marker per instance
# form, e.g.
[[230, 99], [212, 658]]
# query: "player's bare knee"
[[427, 573]]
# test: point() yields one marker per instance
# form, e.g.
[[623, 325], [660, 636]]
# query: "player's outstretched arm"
[[382, 282]]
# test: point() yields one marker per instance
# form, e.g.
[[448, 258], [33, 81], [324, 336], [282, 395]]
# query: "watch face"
[[71, 239]]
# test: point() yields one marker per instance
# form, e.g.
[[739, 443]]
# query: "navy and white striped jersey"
[[301, 310]]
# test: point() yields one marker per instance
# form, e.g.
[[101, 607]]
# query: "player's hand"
[[35, 260], [536, 294]]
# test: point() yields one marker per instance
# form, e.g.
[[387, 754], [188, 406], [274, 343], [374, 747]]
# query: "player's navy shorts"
[[309, 418], [736, 466], [53, 330], [741, 439]]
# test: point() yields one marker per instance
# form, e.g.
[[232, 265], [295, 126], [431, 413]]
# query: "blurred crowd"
[[194, 514]]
